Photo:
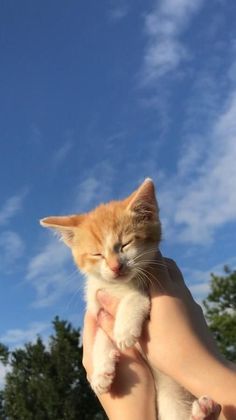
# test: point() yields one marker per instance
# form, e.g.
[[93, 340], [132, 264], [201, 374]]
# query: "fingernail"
[[103, 297]]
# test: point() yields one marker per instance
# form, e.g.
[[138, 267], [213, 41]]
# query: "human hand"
[[176, 339], [132, 394]]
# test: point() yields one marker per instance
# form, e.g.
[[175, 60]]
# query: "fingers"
[[105, 319], [89, 332]]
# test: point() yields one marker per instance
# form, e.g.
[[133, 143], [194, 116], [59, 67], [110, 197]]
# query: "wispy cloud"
[[199, 280], [11, 207], [50, 275], [163, 26], [95, 188], [201, 195], [17, 337], [35, 135], [11, 249], [118, 10], [209, 201], [61, 154]]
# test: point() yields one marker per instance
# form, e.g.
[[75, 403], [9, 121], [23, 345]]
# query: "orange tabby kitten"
[[114, 245]]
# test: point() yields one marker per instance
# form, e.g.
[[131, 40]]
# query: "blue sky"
[[96, 96]]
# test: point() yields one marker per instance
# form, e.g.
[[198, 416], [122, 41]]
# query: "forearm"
[[195, 362], [129, 408], [132, 395], [213, 378]]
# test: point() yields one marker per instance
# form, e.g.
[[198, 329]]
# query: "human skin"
[[176, 339], [132, 393]]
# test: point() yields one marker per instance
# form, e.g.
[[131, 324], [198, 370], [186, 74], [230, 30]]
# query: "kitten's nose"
[[116, 266]]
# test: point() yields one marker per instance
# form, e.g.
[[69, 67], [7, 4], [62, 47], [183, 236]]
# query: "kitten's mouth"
[[123, 276]]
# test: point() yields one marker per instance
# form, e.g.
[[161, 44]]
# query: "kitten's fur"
[[114, 246]]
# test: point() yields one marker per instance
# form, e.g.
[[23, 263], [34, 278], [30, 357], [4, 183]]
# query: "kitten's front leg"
[[133, 309], [105, 357]]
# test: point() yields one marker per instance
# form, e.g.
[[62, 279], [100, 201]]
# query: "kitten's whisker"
[[150, 277], [140, 280], [150, 262], [141, 271], [74, 295], [145, 263], [154, 262], [144, 253], [79, 287]]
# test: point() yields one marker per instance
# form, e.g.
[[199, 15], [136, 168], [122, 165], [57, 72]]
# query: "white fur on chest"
[[93, 284]]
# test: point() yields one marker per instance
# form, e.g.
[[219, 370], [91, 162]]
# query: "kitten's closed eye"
[[97, 254], [126, 244]]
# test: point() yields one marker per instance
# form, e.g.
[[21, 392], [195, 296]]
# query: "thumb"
[[106, 322], [107, 302]]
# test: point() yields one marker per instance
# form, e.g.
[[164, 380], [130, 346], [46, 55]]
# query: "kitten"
[[113, 247]]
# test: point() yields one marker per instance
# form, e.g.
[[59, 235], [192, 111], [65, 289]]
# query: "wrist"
[[129, 407]]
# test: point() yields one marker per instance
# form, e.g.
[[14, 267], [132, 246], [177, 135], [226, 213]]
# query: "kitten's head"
[[116, 240]]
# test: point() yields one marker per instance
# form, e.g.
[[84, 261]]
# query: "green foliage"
[[4, 353], [220, 311], [49, 382]]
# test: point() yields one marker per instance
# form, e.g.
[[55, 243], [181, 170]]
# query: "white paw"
[[101, 381], [203, 407], [126, 337], [102, 378], [114, 355]]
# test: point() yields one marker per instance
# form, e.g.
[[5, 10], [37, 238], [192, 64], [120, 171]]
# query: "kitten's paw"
[[126, 337], [101, 381], [114, 355], [204, 407]]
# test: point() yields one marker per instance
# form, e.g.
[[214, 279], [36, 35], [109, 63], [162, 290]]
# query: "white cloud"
[[118, 13], [61, 154], [118, 10], [11, 249], [210, 200], [201, 196], [54, 254], [163, 26], [200, 290], [49, 274], [95, 188], [17, 337], [199, 280], [11, 207]]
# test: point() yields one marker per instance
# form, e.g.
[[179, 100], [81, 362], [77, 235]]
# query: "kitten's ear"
[[63, 225], [143, 201]]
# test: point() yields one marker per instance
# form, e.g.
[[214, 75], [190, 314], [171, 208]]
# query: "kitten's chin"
[[120, 278], [111, 277]]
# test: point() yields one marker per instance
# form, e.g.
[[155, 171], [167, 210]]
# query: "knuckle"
[[88, 377], [84, 362]]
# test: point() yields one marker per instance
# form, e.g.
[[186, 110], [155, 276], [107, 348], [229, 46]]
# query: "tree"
[[220, 311], [49, 382], [4, 355]]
